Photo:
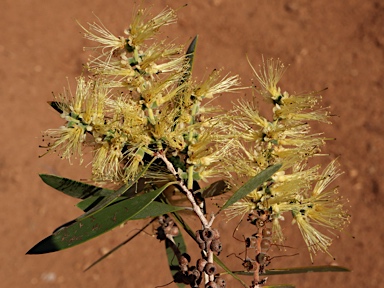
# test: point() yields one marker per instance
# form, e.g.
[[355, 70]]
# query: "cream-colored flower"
[[142, 29], [315, 240], [67, 140], [269, 75], [213, 86]]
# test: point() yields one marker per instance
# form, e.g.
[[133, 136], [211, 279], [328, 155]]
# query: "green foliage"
[[86, 228], [251, 185]]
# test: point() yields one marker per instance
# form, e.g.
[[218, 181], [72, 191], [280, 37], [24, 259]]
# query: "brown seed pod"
[[267, 232], [195, 272], [220, 282], [262, 258], [251, 242], [265, 245], [184, 261], [207, 234], [211, 284], [180, 277], [210, 268], [200, 264], [199, 237], [216, 246]]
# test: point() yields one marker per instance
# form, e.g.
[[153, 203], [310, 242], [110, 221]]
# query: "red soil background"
[[334, 44]]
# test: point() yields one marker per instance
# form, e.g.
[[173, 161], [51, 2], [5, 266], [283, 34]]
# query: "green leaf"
[[191, 51], [120, 245], [297, 270], [156, 209], [216, 188], [152, 210], [56, 105], [251, 185], [87, 228], [190, 54], [74, 188], [172, 258], [116, 194]]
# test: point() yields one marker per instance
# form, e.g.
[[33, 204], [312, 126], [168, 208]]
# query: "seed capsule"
[[211, 284], [262, 258], [267, 232], [216, 246], [207, 234], [220, 282], [210, 268], [265, 245], [200, 264]]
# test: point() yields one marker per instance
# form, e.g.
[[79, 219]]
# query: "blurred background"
[[334, 44]]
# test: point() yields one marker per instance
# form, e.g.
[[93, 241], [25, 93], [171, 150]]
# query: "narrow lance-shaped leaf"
[[152, 210], [251, 185], [56, 105], [297, 270], [120, 245], [110, 198], [97, 224], [172, 258], [216, 188], [190, 54], [74, 188]]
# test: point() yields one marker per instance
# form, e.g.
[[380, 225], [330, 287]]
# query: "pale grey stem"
[[196, 208], [188, 193]]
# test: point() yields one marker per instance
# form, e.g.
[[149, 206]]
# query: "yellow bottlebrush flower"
[[330, 173], [109, 43], [315, 240], [241, 207], [327, 210], [251, 115], [158, 92], [300, 108], [67, 140], [287, 186], [213, 86], [141, 29], [293, 156], [269, 75], [108, 156], [162, 58], [134, 163], [277, 231]]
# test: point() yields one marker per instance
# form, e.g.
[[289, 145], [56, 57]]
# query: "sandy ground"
[[334, 44]]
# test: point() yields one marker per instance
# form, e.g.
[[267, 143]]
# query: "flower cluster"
[[141, 100], [287, 140]]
